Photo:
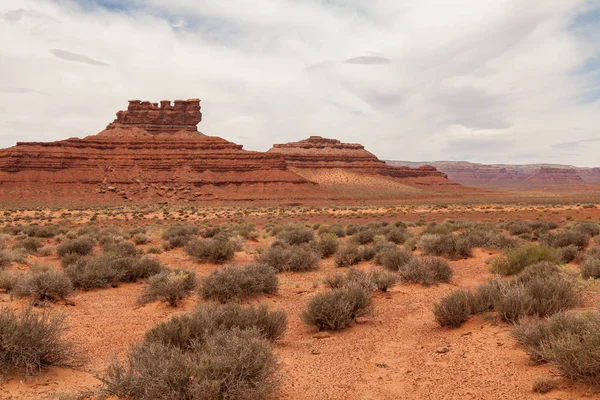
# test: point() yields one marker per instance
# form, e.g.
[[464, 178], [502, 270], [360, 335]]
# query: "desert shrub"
[[517, 228], [453, 309], [426, 270], [42, 286], [97, 272], [364, 236], [569, 253], [353, 277], [395, 258], [234, 283], [397, 235], [567, 238], [169, 286], [448, 245], [336, 229], [567, 340], [30, 341], [338, 308], [487, 239], [30, 244], [347, 255], [10, 279], [212, 250], [46, 231], [514, 303], [351, 229], [154, 250], [179, 230], [185, 330], [82, 246], [45, 251], [383, 280], [236, 364], [590, 268], [5, 258], [326, 245], [514, 260], [295, 236], [543, 385], [367, 253], [381, 247], [140, 238], [289, 258], [122, 249], [587, 227]]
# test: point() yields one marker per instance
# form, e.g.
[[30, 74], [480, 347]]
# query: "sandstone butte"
[[154, 152], [311, 157]]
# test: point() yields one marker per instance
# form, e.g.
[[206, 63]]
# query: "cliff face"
[[152, 152], [321, 153], [496, 175]]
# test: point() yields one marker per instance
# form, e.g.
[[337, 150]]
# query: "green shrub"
[[515, 260], [82, 246], [210, 250], [42, 286], [234, 283], [337, 308], [453, 309], [30, 341], [169, 286]]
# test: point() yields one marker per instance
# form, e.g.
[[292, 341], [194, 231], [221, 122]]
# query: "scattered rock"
[[315, 351], [442, 350], [322, 335]]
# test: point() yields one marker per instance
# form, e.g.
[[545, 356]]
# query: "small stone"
[[315, 351], [322, 335], [442, 350]]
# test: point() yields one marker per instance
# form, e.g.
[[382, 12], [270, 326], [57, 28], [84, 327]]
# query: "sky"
[[491, 81]]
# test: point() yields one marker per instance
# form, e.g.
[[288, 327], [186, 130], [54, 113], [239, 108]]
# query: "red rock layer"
[[141, 155], [317, 152], [535, 175]]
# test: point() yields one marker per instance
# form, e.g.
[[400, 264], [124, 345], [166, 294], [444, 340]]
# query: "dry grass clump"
[[537, 228], [216, 251], [514, 261], [567, 340], [540, 290], [81, 246], [169, 286], [9, 279], [30, 341], [447, 245], [101, 271], [235, 283], [43, 286], [543, 385], [30, 244], [588, 227], [141, 238], [337, 229], [364, 236], [590, 266], [426, 270], [289, 258], [568, 238], [397, 235], [338, 308], [225, 350]]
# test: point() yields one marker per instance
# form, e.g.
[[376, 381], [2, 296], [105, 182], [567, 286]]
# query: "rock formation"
[[317, 152], [507, 176], [148, 152]]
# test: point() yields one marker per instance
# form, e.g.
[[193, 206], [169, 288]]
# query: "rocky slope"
[[150, 151], [501, 175], [309, 156]]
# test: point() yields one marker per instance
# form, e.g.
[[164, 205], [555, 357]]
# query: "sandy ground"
[[399, 353]]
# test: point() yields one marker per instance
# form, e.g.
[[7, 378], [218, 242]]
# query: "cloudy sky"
[[502, 81]]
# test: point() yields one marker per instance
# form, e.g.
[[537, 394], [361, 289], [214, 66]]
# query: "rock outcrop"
[[507, 176], [317, 152], [148, 152]]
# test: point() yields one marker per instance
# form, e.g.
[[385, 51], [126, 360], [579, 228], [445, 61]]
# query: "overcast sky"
[[493, 81]]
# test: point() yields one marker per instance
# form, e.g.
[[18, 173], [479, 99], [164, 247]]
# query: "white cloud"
[[492, 80]]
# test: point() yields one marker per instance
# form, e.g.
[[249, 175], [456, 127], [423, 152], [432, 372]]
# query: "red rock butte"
[[150, 151], [317, 153]]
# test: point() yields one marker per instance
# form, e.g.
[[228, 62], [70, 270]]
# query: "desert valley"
[[151, 261]]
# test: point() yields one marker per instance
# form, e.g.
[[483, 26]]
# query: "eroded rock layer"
[[321, 153], [148, 152]]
